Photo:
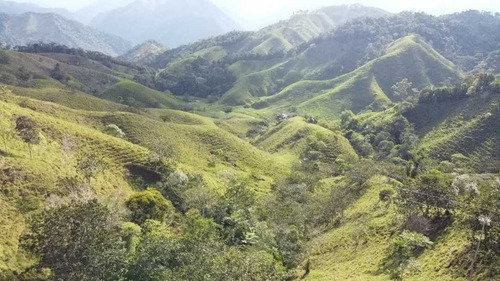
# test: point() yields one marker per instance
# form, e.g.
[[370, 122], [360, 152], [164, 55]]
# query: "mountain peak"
[[160, 20]]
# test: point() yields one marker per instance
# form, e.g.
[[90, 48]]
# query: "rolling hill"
[[367, 88], [275, 39], [143, 54], [310, 167]]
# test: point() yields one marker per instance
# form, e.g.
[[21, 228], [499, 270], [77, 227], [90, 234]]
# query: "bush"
[[4, 57], [149, 205], [386, 195], [77, 242], [409, 244], [114, 131]]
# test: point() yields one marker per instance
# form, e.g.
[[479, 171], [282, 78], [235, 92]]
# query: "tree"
[[59, 75], [149, 205], [402, 89], [156, 255], [406, 246], [348, 121], [77, 242], [429, 194], [27, 130]]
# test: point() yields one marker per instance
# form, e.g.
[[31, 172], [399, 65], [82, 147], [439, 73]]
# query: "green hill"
[[136, 95], [274, 39], [296, 136], [368, 87], [467, 125], [323, 163]]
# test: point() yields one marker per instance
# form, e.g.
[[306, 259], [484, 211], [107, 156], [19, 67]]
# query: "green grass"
[[356, 250], [469, 127], [202, 146], [294, 136], [369, 87], [246, 67], [87, 75], [51, 91], [248, 87], [137, 95], [26, 183]]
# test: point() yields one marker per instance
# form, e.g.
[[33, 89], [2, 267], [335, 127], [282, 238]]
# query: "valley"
[[345, 143]]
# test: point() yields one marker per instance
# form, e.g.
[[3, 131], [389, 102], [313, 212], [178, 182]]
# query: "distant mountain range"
[[89, 12], [170, 22], [11, 7], [277, 38], [30, 27]]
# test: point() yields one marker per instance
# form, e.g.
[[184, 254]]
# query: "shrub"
[[404, 248], [4, 57], [409, 244], [386, 195], [114, 131], [27, 129], [77, 242], [149, 205], [89, 166], [260, 105]]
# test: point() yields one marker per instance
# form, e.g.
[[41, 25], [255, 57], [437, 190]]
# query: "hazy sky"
[[261, 12]]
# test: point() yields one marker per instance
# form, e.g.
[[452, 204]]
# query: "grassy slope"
[[125, 91], [202, 146], [91, 75], [470, 127], [26, 183], [248, 87], [293, 137], [52, 91], [369, 87], [356, 250]]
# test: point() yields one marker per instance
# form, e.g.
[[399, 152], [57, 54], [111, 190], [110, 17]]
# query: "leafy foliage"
[[77, 242], [149, 205]]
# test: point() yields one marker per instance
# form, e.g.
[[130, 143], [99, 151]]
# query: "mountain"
[[370, 152], [329, 55], [275, 39], [366, 88], [169, 22], [11, 7], [31, 28], [145, 53], [92, 10]]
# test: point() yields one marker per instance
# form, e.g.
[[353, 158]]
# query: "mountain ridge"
[[149, 21], [29, 28]]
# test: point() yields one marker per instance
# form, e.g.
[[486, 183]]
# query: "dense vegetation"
[[384, 169]]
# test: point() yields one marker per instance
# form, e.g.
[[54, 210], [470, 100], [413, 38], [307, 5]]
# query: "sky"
[[255, 13]]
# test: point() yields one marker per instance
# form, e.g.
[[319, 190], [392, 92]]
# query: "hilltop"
[[368, 87], [144, 54]]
